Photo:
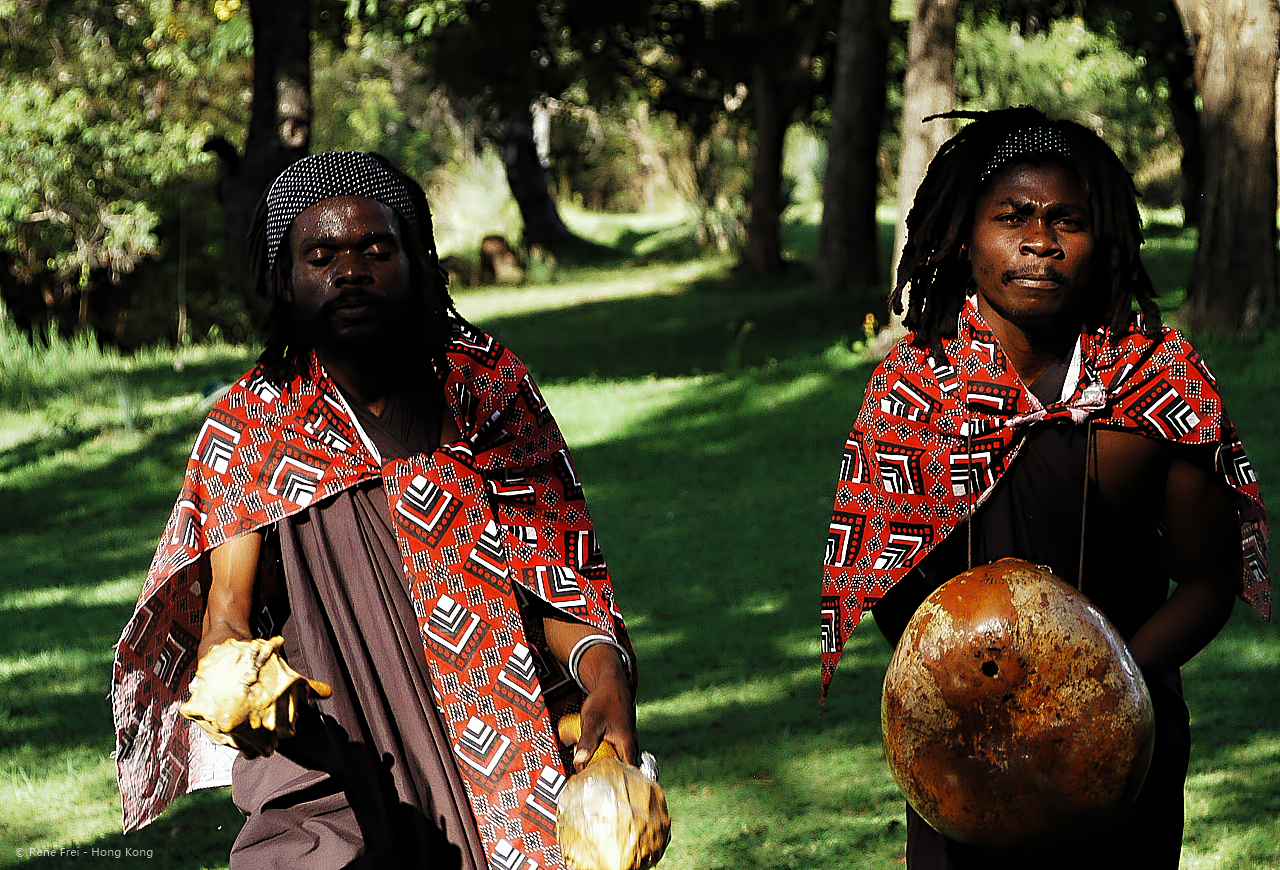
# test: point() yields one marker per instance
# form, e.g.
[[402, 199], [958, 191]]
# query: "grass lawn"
[[706, 414]]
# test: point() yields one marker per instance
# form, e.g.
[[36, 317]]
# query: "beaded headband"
[[1026, 143], [326, 175]]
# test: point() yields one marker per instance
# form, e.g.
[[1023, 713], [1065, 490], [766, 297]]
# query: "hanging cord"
[[968, 486], [1090, 451]]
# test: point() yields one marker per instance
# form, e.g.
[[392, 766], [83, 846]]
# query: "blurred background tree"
[[103, 113], [848, 262], [136, 137], [1234, 42]]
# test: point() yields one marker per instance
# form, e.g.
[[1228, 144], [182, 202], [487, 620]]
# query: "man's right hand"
[[245, 695]]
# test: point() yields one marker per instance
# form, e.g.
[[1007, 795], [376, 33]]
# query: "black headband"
[[326, 175], [1026, 144]]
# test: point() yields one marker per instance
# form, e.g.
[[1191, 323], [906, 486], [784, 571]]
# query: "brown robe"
[[371, 780]]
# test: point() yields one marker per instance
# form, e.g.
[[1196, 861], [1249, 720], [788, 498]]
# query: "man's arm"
[[234, 565], [608, 713], [1202, 534]]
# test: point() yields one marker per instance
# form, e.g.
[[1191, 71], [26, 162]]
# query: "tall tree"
[[505, 55], [782, 40], [756, 59], [1152, 31], [848, 261], [1233, 283], [929, 90], [279, 124]]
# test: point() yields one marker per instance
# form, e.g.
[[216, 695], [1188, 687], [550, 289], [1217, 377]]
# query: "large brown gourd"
[[1012, 708]]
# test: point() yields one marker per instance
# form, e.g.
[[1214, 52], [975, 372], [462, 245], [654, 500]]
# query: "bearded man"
[[388, 493], [1032, 413]]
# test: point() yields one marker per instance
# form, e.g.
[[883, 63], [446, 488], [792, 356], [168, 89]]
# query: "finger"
[[585, 749], [624, 743]]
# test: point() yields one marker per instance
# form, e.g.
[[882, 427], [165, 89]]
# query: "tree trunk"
[[848, 260], [528, 179], [778, 73], [1233, 283], [279, 125], [772, 111], [1154, 30], [929, 89], [1186, 121]]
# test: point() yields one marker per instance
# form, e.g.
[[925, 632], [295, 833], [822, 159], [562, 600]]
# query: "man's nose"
[[1040, 240], [352, 269]]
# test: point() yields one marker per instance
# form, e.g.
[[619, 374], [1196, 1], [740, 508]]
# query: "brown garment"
[[373, 776]]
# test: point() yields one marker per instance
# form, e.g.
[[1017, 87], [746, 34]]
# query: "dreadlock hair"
[[285, 354], [941, 221]]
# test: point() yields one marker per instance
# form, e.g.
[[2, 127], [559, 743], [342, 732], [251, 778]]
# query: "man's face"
[[351, 282], [1031, 247]]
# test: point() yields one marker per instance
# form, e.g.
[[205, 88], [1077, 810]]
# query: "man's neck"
[[1031, 349], [368, 378]]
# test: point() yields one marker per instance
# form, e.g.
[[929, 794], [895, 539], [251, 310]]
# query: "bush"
[[1070, 71]]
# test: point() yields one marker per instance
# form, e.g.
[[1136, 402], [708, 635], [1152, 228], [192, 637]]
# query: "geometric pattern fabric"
[[932, 441], [500, 507]]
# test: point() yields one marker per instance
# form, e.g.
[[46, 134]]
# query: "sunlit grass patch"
[[121, 590], [584, 286], [82, 788]]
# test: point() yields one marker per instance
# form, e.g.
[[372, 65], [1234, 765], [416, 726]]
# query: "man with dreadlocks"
[[387, 498], [1030, 409]]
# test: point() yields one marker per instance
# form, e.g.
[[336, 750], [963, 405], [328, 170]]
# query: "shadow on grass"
[[714, 326], [196, 832]]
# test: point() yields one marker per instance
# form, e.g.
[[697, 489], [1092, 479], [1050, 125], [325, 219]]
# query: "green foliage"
[[620, 157], [374, 95], [100, 107], [469, 200], [1071, 71]]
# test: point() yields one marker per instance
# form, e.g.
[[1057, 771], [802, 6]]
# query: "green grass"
[[706, 412]]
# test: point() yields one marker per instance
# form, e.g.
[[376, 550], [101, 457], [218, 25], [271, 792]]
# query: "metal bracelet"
[[580, 648]]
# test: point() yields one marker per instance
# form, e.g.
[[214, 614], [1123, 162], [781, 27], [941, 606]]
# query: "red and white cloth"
[[933, 438], [499, 507]]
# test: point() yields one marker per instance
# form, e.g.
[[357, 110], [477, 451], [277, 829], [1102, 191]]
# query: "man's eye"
[[378, 253], [319, 260]]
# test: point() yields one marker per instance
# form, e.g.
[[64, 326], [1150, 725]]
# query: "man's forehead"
[[1036, 181], [343, 217]]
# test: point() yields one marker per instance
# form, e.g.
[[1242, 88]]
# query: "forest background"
[[682, 215]]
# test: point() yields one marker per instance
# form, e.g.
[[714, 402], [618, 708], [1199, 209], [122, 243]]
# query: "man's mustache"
[[351, 297], [1048, 273]]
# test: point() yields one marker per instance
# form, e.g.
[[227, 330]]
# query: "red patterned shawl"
[[502, 504], [929, 433]]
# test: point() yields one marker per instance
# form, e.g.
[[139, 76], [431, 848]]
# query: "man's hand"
[[608, 713], [246, 696]]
